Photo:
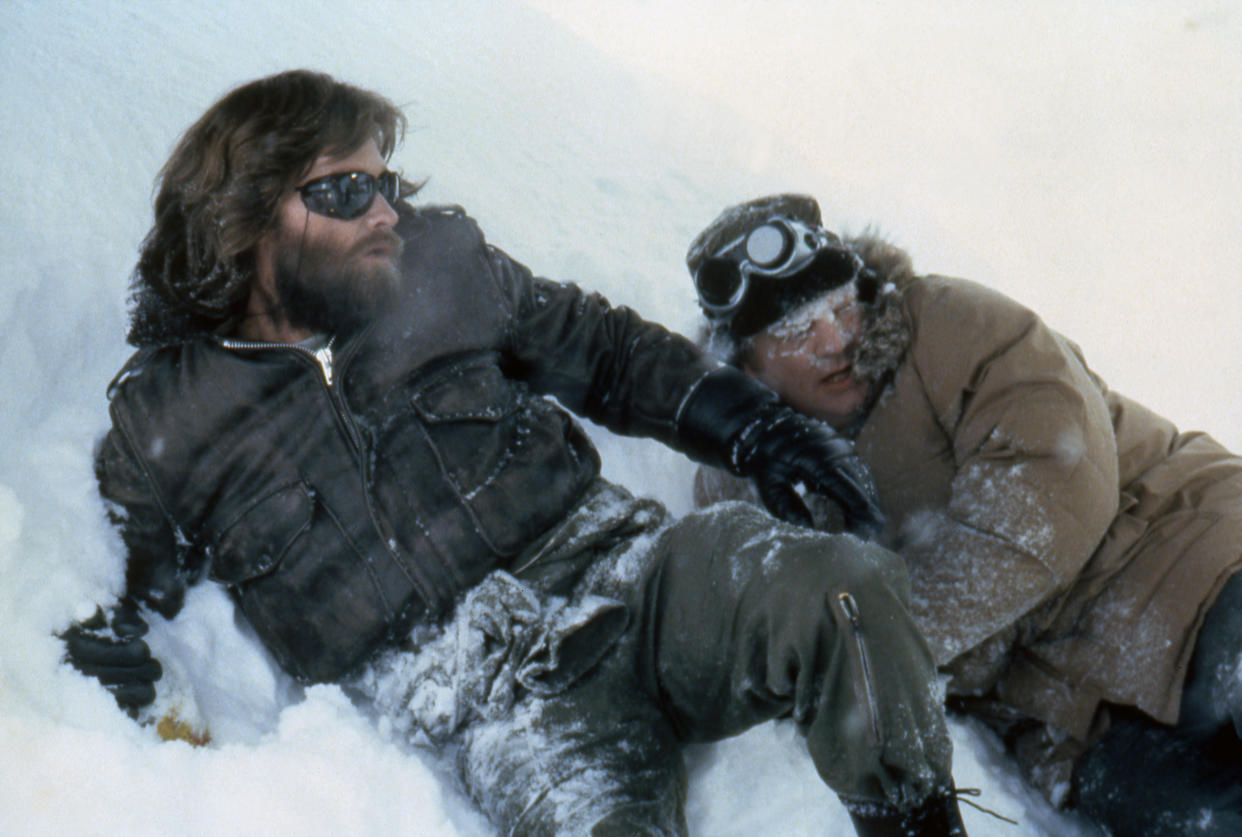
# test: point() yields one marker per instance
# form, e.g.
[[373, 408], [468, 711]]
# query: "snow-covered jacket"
[[1064, 543], [341, 502]]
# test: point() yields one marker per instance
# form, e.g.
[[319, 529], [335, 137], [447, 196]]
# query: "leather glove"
[[730, 420], [110, 648]]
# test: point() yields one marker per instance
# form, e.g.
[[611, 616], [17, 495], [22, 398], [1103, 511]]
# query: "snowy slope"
[[579, 167]]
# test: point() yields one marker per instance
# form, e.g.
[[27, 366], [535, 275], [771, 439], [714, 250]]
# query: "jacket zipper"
[[322, 356], [325, 360], [849, 606]]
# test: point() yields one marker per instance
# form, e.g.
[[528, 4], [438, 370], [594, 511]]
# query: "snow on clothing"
[[719, 638], [1064, 543], [351, 497]]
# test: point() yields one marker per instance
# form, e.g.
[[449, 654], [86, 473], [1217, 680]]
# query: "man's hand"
[[113, 651], [732, 421], [785, 449]]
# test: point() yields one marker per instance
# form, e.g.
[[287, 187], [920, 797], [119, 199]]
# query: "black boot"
[[937, 817]]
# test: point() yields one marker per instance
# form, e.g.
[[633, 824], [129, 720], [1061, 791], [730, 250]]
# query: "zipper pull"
[[850, 608], [324, 356]]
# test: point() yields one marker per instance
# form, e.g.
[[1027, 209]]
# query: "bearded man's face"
[[334, 275]]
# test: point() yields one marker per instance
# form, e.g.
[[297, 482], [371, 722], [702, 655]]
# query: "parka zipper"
[[849, 606]]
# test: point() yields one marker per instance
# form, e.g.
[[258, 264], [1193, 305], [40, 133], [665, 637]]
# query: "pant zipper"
[[849, 606]]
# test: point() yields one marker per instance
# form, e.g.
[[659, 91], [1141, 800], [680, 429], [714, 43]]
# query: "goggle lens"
[[788, 259], [349, 195], [768, 245]]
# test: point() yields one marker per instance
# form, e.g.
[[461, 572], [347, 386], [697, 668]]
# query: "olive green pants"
[[633, 637]]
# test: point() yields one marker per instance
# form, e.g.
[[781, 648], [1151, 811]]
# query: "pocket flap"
[[258, 538], [475, 393]]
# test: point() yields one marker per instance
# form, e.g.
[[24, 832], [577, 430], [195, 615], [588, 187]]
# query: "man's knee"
[[821, 568]]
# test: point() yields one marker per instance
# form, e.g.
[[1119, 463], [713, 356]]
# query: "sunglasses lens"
[[347, 196], [357, 190], [320, 197], [390, 187]]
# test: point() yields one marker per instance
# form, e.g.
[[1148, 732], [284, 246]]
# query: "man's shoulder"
[[960, 310], [152, 371], [446, 222]]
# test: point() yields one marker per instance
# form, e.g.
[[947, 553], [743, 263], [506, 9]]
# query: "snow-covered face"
[[807, 357], [333, 274]]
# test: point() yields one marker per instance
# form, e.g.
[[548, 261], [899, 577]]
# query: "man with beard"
[[1074, 559], [338, 411]]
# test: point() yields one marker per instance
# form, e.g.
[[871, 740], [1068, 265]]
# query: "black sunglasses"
[[349, 195]]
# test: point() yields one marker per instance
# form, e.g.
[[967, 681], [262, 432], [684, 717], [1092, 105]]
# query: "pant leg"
[[1213, 695], [598, 759], [747, 619], [1144, 779], [1148, 779]]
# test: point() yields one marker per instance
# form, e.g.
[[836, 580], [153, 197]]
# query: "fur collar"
[[887, 335]]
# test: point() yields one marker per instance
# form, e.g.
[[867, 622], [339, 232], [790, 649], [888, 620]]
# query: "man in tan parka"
[[1065, 544]]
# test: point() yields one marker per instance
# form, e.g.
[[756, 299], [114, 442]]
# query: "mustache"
[[382, 238]]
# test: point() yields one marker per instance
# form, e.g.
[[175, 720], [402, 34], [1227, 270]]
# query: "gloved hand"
[[732, 421], [113, 651]]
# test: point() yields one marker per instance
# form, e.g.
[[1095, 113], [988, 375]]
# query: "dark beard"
[[324, 290]]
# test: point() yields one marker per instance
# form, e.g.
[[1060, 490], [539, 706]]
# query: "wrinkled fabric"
[[503, 639], [733, 619]]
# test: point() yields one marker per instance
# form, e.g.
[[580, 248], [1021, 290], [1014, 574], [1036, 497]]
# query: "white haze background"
[[1083, 157]]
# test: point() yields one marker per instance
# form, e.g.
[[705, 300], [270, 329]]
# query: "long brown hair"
[[218, 193]]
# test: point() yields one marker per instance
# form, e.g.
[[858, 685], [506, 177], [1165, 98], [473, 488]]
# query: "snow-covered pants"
[[565, 688]]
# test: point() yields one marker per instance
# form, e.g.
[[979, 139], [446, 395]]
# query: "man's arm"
[[1036, 467], [109, 645], [637, 378]]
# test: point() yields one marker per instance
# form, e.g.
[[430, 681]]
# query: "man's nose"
[[827, 338], [381, 213]]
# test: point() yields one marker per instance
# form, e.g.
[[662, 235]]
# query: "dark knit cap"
[[738, 220], [766, 301]]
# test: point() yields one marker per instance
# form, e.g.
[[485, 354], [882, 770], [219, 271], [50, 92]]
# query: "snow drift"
[[580, 168]]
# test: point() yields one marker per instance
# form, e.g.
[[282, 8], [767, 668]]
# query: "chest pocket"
[[470, 413], [513, 459]]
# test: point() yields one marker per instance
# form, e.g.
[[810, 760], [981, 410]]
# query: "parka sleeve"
[[603, 362], [1035, 484]]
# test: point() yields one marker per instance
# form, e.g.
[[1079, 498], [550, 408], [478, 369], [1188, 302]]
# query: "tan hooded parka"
[[1064, 543]]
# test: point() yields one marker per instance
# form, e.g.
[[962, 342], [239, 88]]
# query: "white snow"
[[1079, 156]]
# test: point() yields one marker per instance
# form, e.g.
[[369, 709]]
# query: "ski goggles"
[[778, 249], [349, 195]]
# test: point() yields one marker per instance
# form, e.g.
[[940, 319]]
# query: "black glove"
[[732, 421], [113, 651]]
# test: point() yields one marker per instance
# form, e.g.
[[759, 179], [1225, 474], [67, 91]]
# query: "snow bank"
[[581, 168]]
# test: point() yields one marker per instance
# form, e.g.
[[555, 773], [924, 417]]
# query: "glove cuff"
[[721, 416]]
